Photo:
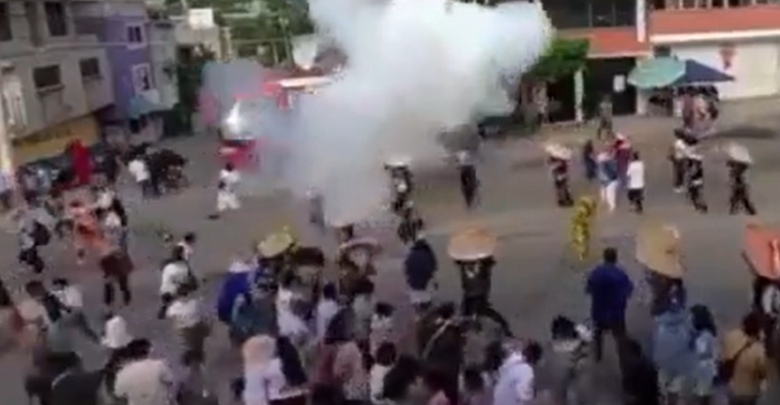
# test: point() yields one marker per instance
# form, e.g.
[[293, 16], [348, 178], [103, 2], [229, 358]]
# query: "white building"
[[53, 79]]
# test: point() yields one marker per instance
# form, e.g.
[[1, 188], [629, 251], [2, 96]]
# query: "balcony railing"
[[591, 14]]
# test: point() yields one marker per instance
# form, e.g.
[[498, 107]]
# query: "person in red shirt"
[[82, 164]]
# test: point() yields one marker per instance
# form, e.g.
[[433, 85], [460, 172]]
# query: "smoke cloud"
[[416, 69]]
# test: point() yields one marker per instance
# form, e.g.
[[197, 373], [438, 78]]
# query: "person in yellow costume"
[[582, 224]]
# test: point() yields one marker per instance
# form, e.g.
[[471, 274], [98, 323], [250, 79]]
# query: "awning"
[[656, 73], [696, 72], [140, 105]]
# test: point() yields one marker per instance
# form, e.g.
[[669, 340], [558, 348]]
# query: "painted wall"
[[111, 22], [755, 66]]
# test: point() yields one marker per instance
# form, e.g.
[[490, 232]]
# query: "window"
[[5, 23], [47, 77], [142, 78], [90, 68], [56, 18], [662, 51], [135, 35]]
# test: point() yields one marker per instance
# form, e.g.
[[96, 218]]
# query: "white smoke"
[[415, 68]]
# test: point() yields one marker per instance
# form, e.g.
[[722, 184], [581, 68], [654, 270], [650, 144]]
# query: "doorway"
[[608, 77]]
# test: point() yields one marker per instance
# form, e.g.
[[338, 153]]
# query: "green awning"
[[656, 73]]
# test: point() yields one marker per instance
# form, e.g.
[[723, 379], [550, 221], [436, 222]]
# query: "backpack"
[[727, 366], [40, 234]]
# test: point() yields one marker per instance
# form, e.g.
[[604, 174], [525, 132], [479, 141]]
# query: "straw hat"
[[738, 153], [472, 243], [117, 334], [658, 248], [558, 151], [275, 244], [762, 250]]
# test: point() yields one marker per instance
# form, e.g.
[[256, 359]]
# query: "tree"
[[190, 77], [564, 58]]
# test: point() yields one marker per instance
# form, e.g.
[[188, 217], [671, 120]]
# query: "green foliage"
[[190, 78], [564, 58]]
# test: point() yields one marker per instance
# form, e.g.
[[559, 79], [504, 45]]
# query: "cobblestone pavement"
[[536, 277]]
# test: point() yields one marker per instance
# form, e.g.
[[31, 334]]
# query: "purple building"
[[122, 27]]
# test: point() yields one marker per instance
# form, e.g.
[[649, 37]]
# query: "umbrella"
[[696, 72], [657, 72]]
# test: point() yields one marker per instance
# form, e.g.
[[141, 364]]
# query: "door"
[[601, 77], [561, 99]]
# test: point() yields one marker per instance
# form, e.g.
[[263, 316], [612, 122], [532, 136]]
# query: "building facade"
[[728, 35], [53, 79], [122, 27], [740, 38], [164, 60]]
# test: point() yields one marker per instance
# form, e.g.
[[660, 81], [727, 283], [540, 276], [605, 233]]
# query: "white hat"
[[558, 151], [738, 153], [398, 161], [117, 335]]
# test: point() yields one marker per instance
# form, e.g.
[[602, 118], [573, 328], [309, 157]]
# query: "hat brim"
[[472, 244], [759, 252], [657, 248], [275, 245]]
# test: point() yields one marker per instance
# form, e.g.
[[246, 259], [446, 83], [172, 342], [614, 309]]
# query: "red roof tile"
[[760, 17]]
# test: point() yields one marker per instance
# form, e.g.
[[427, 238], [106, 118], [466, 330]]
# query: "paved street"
[[535, 278]]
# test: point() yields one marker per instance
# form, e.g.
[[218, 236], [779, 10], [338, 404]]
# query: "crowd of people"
[[306, 338]]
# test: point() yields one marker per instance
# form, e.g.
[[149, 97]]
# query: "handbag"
[[726, 367]]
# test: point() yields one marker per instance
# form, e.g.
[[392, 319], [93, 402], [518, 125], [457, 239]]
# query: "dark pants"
[[618, 331], [678, 173], [740, 198], [605, 128], [148, 189], [696, 197], [121, 281], [32, 258], [563, 194], [636, 197], [737, 400], [469, 195], [480, 306]]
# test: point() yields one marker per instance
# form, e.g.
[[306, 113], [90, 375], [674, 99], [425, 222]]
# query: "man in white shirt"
[[143, 380], [140, 172], [635, 173], [227, 198], [516, 377], [327, 309]]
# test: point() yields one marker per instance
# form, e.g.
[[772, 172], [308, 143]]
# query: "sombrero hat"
[[658, 248], [472, 243], [398, 161], [738, 153], [761, 250], [558, 151], [275, 244]]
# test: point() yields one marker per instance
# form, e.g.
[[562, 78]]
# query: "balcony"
[[671, 24], [591, 13]]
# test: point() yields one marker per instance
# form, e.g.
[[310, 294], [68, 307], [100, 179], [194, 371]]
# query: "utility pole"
[[6, 153]]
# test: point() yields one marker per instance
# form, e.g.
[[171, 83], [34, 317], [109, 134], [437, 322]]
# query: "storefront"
[[53, 141]]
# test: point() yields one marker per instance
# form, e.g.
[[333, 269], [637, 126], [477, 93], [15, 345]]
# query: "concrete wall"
[[33, 47], [755, 66], [111, 22]]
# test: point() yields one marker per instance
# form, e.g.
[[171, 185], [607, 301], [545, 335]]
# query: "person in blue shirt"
[[609, 288], [609, 178]]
